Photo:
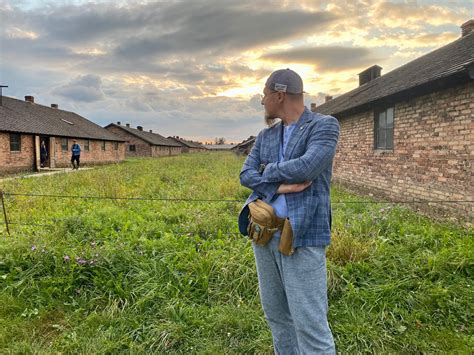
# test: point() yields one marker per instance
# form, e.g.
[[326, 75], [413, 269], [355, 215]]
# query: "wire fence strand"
[[169, 199]]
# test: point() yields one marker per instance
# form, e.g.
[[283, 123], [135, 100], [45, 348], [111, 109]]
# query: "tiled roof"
[[26, 117], [245, 142], [150, 137], [220, 146], [189, 144], [453, 60]]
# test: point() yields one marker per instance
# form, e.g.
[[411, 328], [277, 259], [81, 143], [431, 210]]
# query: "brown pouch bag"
[[286, 240], [262, 223]]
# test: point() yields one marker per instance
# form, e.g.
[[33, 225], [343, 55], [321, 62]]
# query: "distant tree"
[[220, 140]]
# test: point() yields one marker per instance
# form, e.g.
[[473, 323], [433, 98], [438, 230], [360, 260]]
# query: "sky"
[[195, 69]]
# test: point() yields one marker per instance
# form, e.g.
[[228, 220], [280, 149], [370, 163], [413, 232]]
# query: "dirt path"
[[45, 172]]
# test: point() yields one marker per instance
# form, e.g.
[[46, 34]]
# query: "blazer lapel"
[[274, 142], [297, 133]]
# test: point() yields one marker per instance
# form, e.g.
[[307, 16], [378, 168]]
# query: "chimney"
[[467, 27], [140, 128], [369, 74], [54, 106], [30, 99], [1, 94], [151, 131], [328, 98], [127, 124], [313, 107], [118, 122]]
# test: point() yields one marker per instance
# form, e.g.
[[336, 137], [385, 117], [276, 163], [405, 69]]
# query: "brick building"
[[409, 134], [140, 143], [25, 124], [244, 147], [188, 146]]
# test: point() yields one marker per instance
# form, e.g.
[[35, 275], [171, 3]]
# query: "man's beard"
[[270, 120]]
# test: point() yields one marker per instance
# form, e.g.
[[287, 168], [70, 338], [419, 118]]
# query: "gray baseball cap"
[[285, 80]]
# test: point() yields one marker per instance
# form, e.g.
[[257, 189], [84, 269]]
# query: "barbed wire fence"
[[7, 222]]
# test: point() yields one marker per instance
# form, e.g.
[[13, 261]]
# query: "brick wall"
[[95, 155], [160, 151], [432, 157], [24, 160], [16, 161], [143, 148], [196, 150]]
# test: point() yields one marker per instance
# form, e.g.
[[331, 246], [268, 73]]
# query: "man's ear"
[[281, 96]]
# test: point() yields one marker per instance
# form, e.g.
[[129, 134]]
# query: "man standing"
[[290, 168], [43, 154], [76, 155]]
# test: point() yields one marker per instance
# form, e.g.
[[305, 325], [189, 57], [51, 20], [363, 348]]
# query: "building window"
[[103, 145], [131, 148], [115, 145], [64, 144], [87, 145], [15, 142], [383, 129]]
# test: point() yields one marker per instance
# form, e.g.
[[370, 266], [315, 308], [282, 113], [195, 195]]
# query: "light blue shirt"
[[279, 204]]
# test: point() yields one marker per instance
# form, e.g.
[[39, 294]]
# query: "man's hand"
[[292, 188]]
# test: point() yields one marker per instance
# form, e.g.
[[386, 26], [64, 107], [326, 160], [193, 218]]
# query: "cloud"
[[211, 30], [330, 58], [416, 16], [414, 40], [161, 29], [85, 88]]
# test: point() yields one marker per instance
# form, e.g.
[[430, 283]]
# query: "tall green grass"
[[113, 276]]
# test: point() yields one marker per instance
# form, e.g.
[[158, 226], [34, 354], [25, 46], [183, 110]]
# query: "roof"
[[26, 117], [245, 143], [189, 144], [219, 146], [149, 137], [454, 61]]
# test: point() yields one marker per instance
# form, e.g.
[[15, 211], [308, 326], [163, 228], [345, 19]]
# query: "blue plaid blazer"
[[308, 156]]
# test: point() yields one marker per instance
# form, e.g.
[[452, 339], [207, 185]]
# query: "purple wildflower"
[[33, 248], [81, 261], [66, 258]]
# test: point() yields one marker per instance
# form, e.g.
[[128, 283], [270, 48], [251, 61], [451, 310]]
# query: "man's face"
[[269, 102]]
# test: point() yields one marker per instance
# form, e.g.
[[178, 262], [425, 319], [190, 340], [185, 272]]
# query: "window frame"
[[382, 130], [15, 145], [130, 148], [64, 146], [87, 143]]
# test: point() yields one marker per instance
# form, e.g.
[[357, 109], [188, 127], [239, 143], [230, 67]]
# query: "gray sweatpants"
[[293, 291]]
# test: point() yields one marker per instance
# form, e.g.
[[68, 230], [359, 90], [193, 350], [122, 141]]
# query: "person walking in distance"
[[76, 155], [43, 154], [288, 215]]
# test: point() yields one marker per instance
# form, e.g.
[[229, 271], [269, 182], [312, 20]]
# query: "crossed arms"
[[293, 175]]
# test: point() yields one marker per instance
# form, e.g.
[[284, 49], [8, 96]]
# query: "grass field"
[[117, 276]]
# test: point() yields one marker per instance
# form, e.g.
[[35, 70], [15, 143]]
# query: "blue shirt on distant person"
[[76, 149]]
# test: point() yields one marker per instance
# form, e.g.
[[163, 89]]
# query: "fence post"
[[4, 211]]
